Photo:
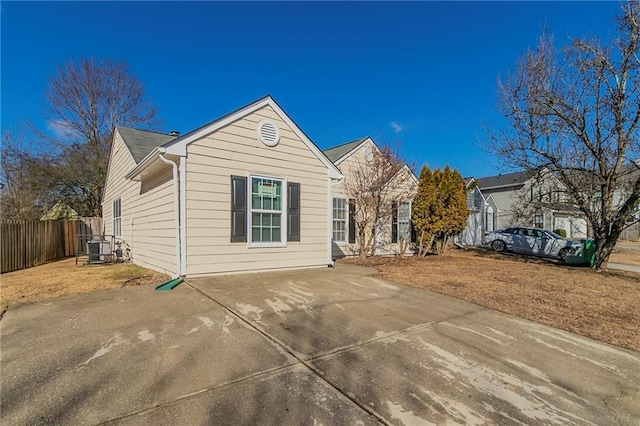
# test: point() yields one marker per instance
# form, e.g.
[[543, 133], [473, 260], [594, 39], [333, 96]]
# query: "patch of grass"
[[600, 305], [129, 270], [64, 277]]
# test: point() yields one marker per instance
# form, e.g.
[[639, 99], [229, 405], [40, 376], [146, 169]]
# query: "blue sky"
[[423, 73]]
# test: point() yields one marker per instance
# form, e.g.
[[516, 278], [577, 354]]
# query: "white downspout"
[[330, 223], [176, 205], [182, 171]]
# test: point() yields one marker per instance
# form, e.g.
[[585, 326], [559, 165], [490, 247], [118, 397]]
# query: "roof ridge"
[[222, 117], [347, 143], [503, 174], [142, 130]]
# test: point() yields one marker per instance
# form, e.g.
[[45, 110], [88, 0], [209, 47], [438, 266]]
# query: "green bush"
[[561, 232]]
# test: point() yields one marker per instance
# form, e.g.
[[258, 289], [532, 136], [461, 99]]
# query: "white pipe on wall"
[[182, 172], [176, 209]]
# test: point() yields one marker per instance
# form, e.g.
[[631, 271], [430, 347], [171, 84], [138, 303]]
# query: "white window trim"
[[283, 213], [398, 218], [346, 221], [113, 217]]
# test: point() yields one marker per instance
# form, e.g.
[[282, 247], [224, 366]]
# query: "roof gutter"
[[508, 185], [146, 161], [176, 207]]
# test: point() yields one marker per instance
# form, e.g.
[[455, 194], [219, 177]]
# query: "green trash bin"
[[575, 258], [588, 252]]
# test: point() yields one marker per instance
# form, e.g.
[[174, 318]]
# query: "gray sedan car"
[[531, 241]]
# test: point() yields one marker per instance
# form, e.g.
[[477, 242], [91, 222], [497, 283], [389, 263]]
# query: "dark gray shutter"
[[238, 209], [293, 211], [394, 222], [414, 234], [352, 221]]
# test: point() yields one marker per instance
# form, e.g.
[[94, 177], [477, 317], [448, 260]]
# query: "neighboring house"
[[246, 192], [60, 211], [352, 158], [535, 199], [481, 216], [622, 193]]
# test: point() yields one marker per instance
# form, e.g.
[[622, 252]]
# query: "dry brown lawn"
[[64, 277], [600, 305], [627, 256]]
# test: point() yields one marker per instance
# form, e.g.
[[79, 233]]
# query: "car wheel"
[[498, 245], [562, 254]]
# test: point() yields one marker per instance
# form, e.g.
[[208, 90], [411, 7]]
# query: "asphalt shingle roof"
[[142, 142], [336, 152], [509, 179]]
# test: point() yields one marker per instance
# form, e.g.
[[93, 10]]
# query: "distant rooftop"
[[509, 179], [337, 152], [142, 142]]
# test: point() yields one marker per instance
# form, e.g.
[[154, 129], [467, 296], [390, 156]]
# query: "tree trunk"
[[605, 242], [444, 243], [362, 240]]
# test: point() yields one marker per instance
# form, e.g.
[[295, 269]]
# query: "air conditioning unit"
[[98, 251]]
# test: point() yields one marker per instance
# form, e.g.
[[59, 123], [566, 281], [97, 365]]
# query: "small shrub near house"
[[561, 232]]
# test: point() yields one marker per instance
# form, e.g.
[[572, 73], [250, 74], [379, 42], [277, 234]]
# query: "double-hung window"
[[538, 220], [339, 220], [404, 221], [117, 218], [266, 210]]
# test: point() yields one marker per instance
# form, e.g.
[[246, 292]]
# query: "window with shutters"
[[238, 209], [340, 220], [293, 211], [117, 218], [267, 207]]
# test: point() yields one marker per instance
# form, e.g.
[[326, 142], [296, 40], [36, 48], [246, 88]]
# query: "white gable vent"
[[268, 132]]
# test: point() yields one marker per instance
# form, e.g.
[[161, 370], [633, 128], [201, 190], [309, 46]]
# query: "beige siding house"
[[246, 192], [353, 159], [140, 214]]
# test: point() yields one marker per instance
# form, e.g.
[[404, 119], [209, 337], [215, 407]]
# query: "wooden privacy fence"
[[27, 243]]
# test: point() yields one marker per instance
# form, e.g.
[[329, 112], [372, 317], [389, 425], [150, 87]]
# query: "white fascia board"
[[111, 154], [476, 189], [511, 186], [491, 200], [180, 148], [357, 147], [333, 170], [146, 162], [413, 175]]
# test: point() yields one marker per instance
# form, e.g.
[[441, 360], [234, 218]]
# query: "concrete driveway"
[[335, 346]]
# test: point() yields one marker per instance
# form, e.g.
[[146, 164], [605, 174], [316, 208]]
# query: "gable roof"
[[60, 211], [178, 146], [142, 142], [506, 180], [337, 152]]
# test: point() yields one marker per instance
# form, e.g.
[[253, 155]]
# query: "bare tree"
[[24, 193], [375, 184], [576, 114], [85, 100]]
